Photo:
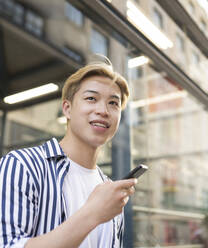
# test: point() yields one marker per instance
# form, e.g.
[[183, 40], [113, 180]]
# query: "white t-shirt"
[[78, 184]]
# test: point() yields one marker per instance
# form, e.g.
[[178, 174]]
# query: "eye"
[[114, 103], [90, 98]]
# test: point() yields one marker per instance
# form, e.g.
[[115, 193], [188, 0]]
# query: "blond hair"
[[74, 82]]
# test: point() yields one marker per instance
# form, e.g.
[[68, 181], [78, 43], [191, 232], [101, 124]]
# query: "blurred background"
[[161, 47]]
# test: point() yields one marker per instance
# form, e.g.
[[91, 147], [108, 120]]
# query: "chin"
[[97, 143]]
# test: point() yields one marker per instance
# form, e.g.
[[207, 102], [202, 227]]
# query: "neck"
[[79, 152]]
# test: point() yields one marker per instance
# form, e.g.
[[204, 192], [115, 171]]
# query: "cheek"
[[81, 110], [117, 119]]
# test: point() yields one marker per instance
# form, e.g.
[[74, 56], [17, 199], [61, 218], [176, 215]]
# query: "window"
[[98, 43], [135, 73], [1, 5], [7, 7], [76, 56], [13, 9], [73, 14], [195, 58], [203, 25], [34, 23], [191, 8], [18, 16], [180, 43], [158, 19]]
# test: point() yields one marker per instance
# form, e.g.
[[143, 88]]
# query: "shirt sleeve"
[[17, 203]]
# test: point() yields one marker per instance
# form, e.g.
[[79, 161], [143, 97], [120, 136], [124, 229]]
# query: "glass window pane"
[[18, 14], [158, 19], [73, 14], [98, 43], [191, 7], [180, 43], [9, 7], [203, 25], [163, 118], [33, 125], [1, 4], [34, 23]]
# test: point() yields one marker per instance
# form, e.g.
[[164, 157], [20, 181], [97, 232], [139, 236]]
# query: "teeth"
[[99, 124]]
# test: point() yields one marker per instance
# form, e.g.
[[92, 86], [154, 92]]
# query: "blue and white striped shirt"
[[31, 197]]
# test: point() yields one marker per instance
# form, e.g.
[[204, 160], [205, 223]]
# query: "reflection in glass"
[[18, 14], [34, 23], [158, 19], [31, 125], [98, 43], [8, 6], [191, 7], [138, 19], [73, 14], [203, 4], [203, 25], [180, 42], [165, 136]]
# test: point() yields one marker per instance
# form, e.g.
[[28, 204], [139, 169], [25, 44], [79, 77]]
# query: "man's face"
[[95, 111]]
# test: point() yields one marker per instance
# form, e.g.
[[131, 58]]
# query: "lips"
[[100, 123]]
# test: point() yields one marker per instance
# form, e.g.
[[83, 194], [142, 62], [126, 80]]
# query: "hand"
[[108, 199]]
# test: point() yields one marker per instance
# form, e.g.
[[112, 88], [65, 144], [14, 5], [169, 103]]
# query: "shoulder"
[[30, 159], [29, 162], [27, 156]]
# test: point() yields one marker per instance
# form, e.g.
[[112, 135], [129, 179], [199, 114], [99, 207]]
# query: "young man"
[[54, 195]]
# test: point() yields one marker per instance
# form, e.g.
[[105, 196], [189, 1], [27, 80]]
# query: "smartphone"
[[136, 172]]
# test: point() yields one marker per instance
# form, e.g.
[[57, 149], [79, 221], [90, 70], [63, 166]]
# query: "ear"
[[66, 107]]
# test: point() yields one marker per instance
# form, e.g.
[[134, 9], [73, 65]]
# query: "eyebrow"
[[95, 92]]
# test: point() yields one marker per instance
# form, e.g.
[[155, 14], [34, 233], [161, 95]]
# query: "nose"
[[102, 109]]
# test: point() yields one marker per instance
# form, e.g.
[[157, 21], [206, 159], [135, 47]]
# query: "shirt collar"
[[53, 149]]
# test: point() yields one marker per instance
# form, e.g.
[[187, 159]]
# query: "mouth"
[[102, 124]]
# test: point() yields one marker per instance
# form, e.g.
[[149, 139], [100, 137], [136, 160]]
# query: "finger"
[[131, 190], [106, 182], [128, 192], [127, 183], [125, 200]]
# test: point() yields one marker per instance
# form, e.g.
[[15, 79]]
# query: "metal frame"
[[3, 69], [3, 130]]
